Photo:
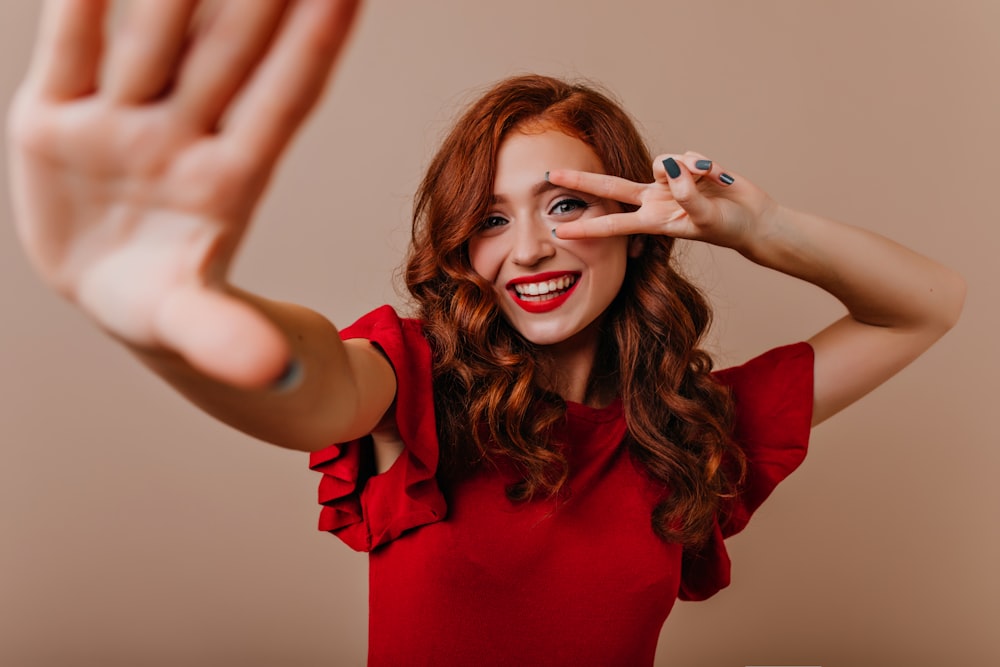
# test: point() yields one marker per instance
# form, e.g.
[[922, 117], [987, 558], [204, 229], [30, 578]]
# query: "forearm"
[[338, 391], [899, 302], [881, 282]]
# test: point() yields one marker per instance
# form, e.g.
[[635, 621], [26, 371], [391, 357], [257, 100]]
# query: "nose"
[[533, 242]]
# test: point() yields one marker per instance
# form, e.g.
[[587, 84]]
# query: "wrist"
[[760, 236]]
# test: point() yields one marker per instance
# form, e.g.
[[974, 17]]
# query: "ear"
[[636, 244]]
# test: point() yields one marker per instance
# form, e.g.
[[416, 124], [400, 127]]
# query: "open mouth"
[[543, 292]]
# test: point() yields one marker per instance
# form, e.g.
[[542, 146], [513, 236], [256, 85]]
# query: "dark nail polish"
[[673, 169], [727, 179], [703, 164], [290, 377]]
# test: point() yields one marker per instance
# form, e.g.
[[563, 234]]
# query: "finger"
[[713, 172], [223, 337], [683, 188], [291, 79], [604, 186], [224, 52], [67, 54], [144, 54], [613, 224], [698, 164]]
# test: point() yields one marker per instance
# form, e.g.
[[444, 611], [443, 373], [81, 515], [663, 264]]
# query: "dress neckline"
[[608, 413]]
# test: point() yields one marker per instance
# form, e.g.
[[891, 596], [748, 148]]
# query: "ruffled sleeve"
[[366, 510], [773, 396]]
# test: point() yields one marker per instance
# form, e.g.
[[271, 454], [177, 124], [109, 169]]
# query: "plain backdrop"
[[136, 531]]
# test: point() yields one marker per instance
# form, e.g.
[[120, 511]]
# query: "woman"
[[542, 462]]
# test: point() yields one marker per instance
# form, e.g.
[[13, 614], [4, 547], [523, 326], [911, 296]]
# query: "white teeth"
[[545, 290]]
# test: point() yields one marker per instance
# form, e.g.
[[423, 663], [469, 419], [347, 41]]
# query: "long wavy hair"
[[488, 401]]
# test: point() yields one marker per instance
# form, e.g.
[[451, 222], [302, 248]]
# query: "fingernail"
[[546, 176], [290, 378], [554, 235], [673, 170], [727, 179], [703, 164]]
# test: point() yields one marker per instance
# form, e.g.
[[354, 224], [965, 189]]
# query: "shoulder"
[[772, 421], [778, 365], [776, 383], [772, 396], [383, 321], [364, 509], [399, 339]]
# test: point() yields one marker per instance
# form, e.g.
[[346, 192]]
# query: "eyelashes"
[[492, 222], [569, 205], [563, 208]]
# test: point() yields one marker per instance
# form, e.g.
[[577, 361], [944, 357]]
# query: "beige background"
[[135, 531]]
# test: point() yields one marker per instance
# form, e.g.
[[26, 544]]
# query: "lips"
[[543, 292]]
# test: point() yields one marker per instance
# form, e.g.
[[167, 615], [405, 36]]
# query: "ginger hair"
[[488, 403]]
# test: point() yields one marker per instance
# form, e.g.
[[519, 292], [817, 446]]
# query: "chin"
[[544, 338], [547, 333]]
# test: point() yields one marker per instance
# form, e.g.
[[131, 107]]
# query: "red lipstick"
[[542, 303]]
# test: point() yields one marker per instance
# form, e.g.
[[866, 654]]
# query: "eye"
[[493, 222], [567, 206]]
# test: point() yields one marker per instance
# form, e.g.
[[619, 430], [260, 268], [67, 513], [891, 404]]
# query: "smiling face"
[[551, 290]]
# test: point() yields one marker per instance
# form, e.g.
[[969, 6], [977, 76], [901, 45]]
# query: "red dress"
[[583, 580]]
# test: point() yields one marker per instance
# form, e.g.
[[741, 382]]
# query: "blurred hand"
[[139, 154]]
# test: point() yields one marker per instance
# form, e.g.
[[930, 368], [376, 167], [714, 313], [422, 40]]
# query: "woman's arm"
[[898, 302], [331, 391], [138, 155]]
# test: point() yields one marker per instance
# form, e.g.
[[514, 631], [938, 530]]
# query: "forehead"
[[524, 157]]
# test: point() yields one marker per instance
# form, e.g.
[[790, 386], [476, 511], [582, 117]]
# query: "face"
[[551, 290]]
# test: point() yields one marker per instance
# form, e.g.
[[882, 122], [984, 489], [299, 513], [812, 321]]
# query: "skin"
[[516, 243], [899, 302], [131, 196], [133, 189]]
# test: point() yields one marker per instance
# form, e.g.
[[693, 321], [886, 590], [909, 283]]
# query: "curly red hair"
[[488, 402]]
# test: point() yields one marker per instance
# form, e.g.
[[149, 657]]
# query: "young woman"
[[542, 460]]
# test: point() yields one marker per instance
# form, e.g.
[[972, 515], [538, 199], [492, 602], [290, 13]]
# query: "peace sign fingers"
[[654, 205], [601, 185]]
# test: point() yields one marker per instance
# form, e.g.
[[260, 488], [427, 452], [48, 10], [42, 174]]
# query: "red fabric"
[[774, 394], [366, 513], [580, 580]]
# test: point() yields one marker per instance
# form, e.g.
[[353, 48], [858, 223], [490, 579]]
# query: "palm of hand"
[[136, 206], [136, 163]]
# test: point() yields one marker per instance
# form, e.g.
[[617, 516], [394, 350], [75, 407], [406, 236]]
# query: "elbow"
[[951, 300]]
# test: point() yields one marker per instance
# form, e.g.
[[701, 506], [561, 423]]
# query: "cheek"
[[486, 257], [607, 257], [609, 270]]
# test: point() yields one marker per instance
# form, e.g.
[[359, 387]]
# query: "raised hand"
[[691, 198], [138, 156]]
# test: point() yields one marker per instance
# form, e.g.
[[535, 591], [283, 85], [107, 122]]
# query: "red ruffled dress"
[[477, 580]]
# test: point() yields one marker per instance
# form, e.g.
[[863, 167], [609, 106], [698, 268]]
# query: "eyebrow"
[[539, 188]]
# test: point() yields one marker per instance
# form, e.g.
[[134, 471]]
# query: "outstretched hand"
[[691, 198], [138, 155]]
